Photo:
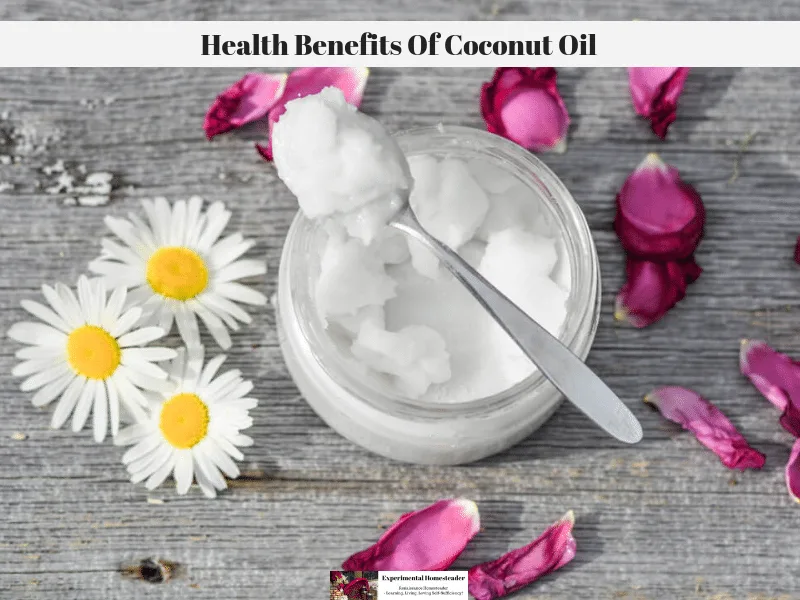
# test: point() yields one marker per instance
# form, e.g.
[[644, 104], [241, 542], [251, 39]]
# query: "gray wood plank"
[[661, 520]]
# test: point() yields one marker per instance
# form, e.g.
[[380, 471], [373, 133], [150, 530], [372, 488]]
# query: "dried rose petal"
[[524, 105], [777, 377], [337, 576], [245, 101], [712, 428], [655, 92], [793, 472], [429, 539], [797, 251], [312, 80], [659, 222], [659, 217], [356, 589], [521, 567], [652, 289]]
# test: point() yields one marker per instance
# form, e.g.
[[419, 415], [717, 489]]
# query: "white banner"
[[399, 43]]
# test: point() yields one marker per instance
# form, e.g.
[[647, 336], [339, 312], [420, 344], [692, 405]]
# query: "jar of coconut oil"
[[477, 395]]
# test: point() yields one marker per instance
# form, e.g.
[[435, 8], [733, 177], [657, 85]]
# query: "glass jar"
[[352, 400]]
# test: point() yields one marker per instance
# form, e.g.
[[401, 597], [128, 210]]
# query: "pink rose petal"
[[797, 251], [429, 539], [659, 222], [521, 567], [356, 589], [312, 80], [652, 289], [245, 101], [777, 377], [659, 216], [524, 105], [793, 472], [655, 92], [712, 428]]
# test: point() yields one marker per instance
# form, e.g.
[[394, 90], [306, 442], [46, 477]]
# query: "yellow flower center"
[[184, 420], [177, 272], [92, 352]]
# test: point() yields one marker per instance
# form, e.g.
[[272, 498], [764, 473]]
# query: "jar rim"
[[584, 295]]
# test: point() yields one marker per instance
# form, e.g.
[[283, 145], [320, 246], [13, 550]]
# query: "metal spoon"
[[577, 382]]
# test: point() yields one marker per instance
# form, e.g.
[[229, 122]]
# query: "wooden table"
[[661, 520]]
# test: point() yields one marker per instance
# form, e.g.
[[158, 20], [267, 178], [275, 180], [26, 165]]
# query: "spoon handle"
[[577, 382]]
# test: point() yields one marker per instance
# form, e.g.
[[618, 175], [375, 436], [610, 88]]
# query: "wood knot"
[[151, 570]]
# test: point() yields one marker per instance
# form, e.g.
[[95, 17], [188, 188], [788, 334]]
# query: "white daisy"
[[179, 269], [194, 430], [86, 353]]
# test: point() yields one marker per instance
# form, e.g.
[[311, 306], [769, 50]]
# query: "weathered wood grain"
[[662, 520]]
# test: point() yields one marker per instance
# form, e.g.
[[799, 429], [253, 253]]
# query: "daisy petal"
[[228, 448], [128, 319], [240, 293], [223, 308], [135, 361], [140, 337], [113, 406], [205, 484], [128, 393], [178, 223], [221, 459], [85, 297], [228, 250], [210, 471], [113, 307], [37, 334], [35, 365], [31, 352], [187, 326], [132, 434], [184, 471], [84, 407], [160, 474], [214, 325], [100, 413], [46, 315], [127, 232], [142, 469], [54, 300], [210, 370], [67, 402], [141, 449], [218, 219], [69, 304], [34, 382], [51, 391], [241, 269]]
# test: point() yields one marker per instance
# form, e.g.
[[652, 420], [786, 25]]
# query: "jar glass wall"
[[356, 402]]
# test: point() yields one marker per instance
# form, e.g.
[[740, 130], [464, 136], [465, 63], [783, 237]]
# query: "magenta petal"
[[245, 101], [655, 92], [429, 539], [797, 251], [521, 567], [312, 80], [659, 217], [777, 377], [712, 428], [652, 289], [793, 471], [356, 589], [525, 106]]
